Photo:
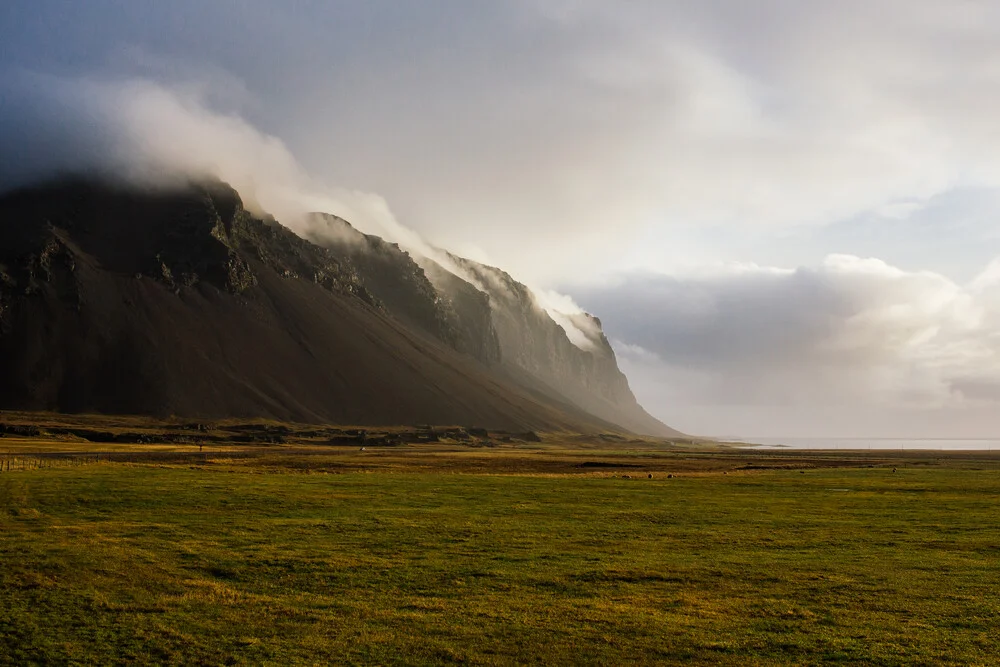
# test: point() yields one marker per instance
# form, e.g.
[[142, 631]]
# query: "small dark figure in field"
[[894, 470], [650, 475], [670, 476]]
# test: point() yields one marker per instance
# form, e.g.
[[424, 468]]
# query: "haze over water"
[[944, 444]]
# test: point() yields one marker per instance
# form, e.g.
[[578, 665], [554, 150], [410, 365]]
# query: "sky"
[[782, 211]]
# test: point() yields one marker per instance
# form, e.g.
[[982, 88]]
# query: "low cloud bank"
[[850, 336], [153, 135]]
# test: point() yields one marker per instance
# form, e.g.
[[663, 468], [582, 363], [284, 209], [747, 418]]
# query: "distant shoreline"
[[951, 444]]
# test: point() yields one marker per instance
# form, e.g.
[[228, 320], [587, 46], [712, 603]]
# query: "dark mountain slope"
[[483, 311], [458, 316], [388, 272], [181, 302]]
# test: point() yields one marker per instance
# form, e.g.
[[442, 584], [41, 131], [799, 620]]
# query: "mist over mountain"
[[483, 311], [119, 298]]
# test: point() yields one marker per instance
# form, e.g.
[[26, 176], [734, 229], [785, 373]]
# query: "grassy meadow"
[[514, 555]]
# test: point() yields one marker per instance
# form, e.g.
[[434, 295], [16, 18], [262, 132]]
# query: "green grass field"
[[284, 560]]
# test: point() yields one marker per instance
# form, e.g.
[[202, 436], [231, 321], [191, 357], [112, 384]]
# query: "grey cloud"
[[485, 122], [851, 334], [152, 135], [47, 129]]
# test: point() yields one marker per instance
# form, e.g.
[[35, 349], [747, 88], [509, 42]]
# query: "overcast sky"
[[784, 212]]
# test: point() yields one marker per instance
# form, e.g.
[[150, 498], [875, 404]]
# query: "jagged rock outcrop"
[[458, 316], [584, 372], [387, 272], [179, 237], [471, 310]]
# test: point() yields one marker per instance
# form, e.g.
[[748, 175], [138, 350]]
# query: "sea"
[[903, 444]]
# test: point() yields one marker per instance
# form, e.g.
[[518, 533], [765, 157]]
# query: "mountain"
[[482, 310], [585, 373], [179, 301]]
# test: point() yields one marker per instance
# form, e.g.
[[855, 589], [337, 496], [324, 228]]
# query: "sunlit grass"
[[254, 562]]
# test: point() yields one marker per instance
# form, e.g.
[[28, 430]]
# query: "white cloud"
[[733, 115], [580, 329]]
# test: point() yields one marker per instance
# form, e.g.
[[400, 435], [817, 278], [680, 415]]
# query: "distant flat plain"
[[492, 550]]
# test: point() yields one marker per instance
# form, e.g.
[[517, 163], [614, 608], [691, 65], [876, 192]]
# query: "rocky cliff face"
[[421, 293], [182, 302], [179, 238], [584, 372], [483, 311]]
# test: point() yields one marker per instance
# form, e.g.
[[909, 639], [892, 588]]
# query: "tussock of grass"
[[252, 561]]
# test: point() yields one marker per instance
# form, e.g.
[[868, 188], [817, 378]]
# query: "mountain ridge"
[[499, 320], [180, 301]]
